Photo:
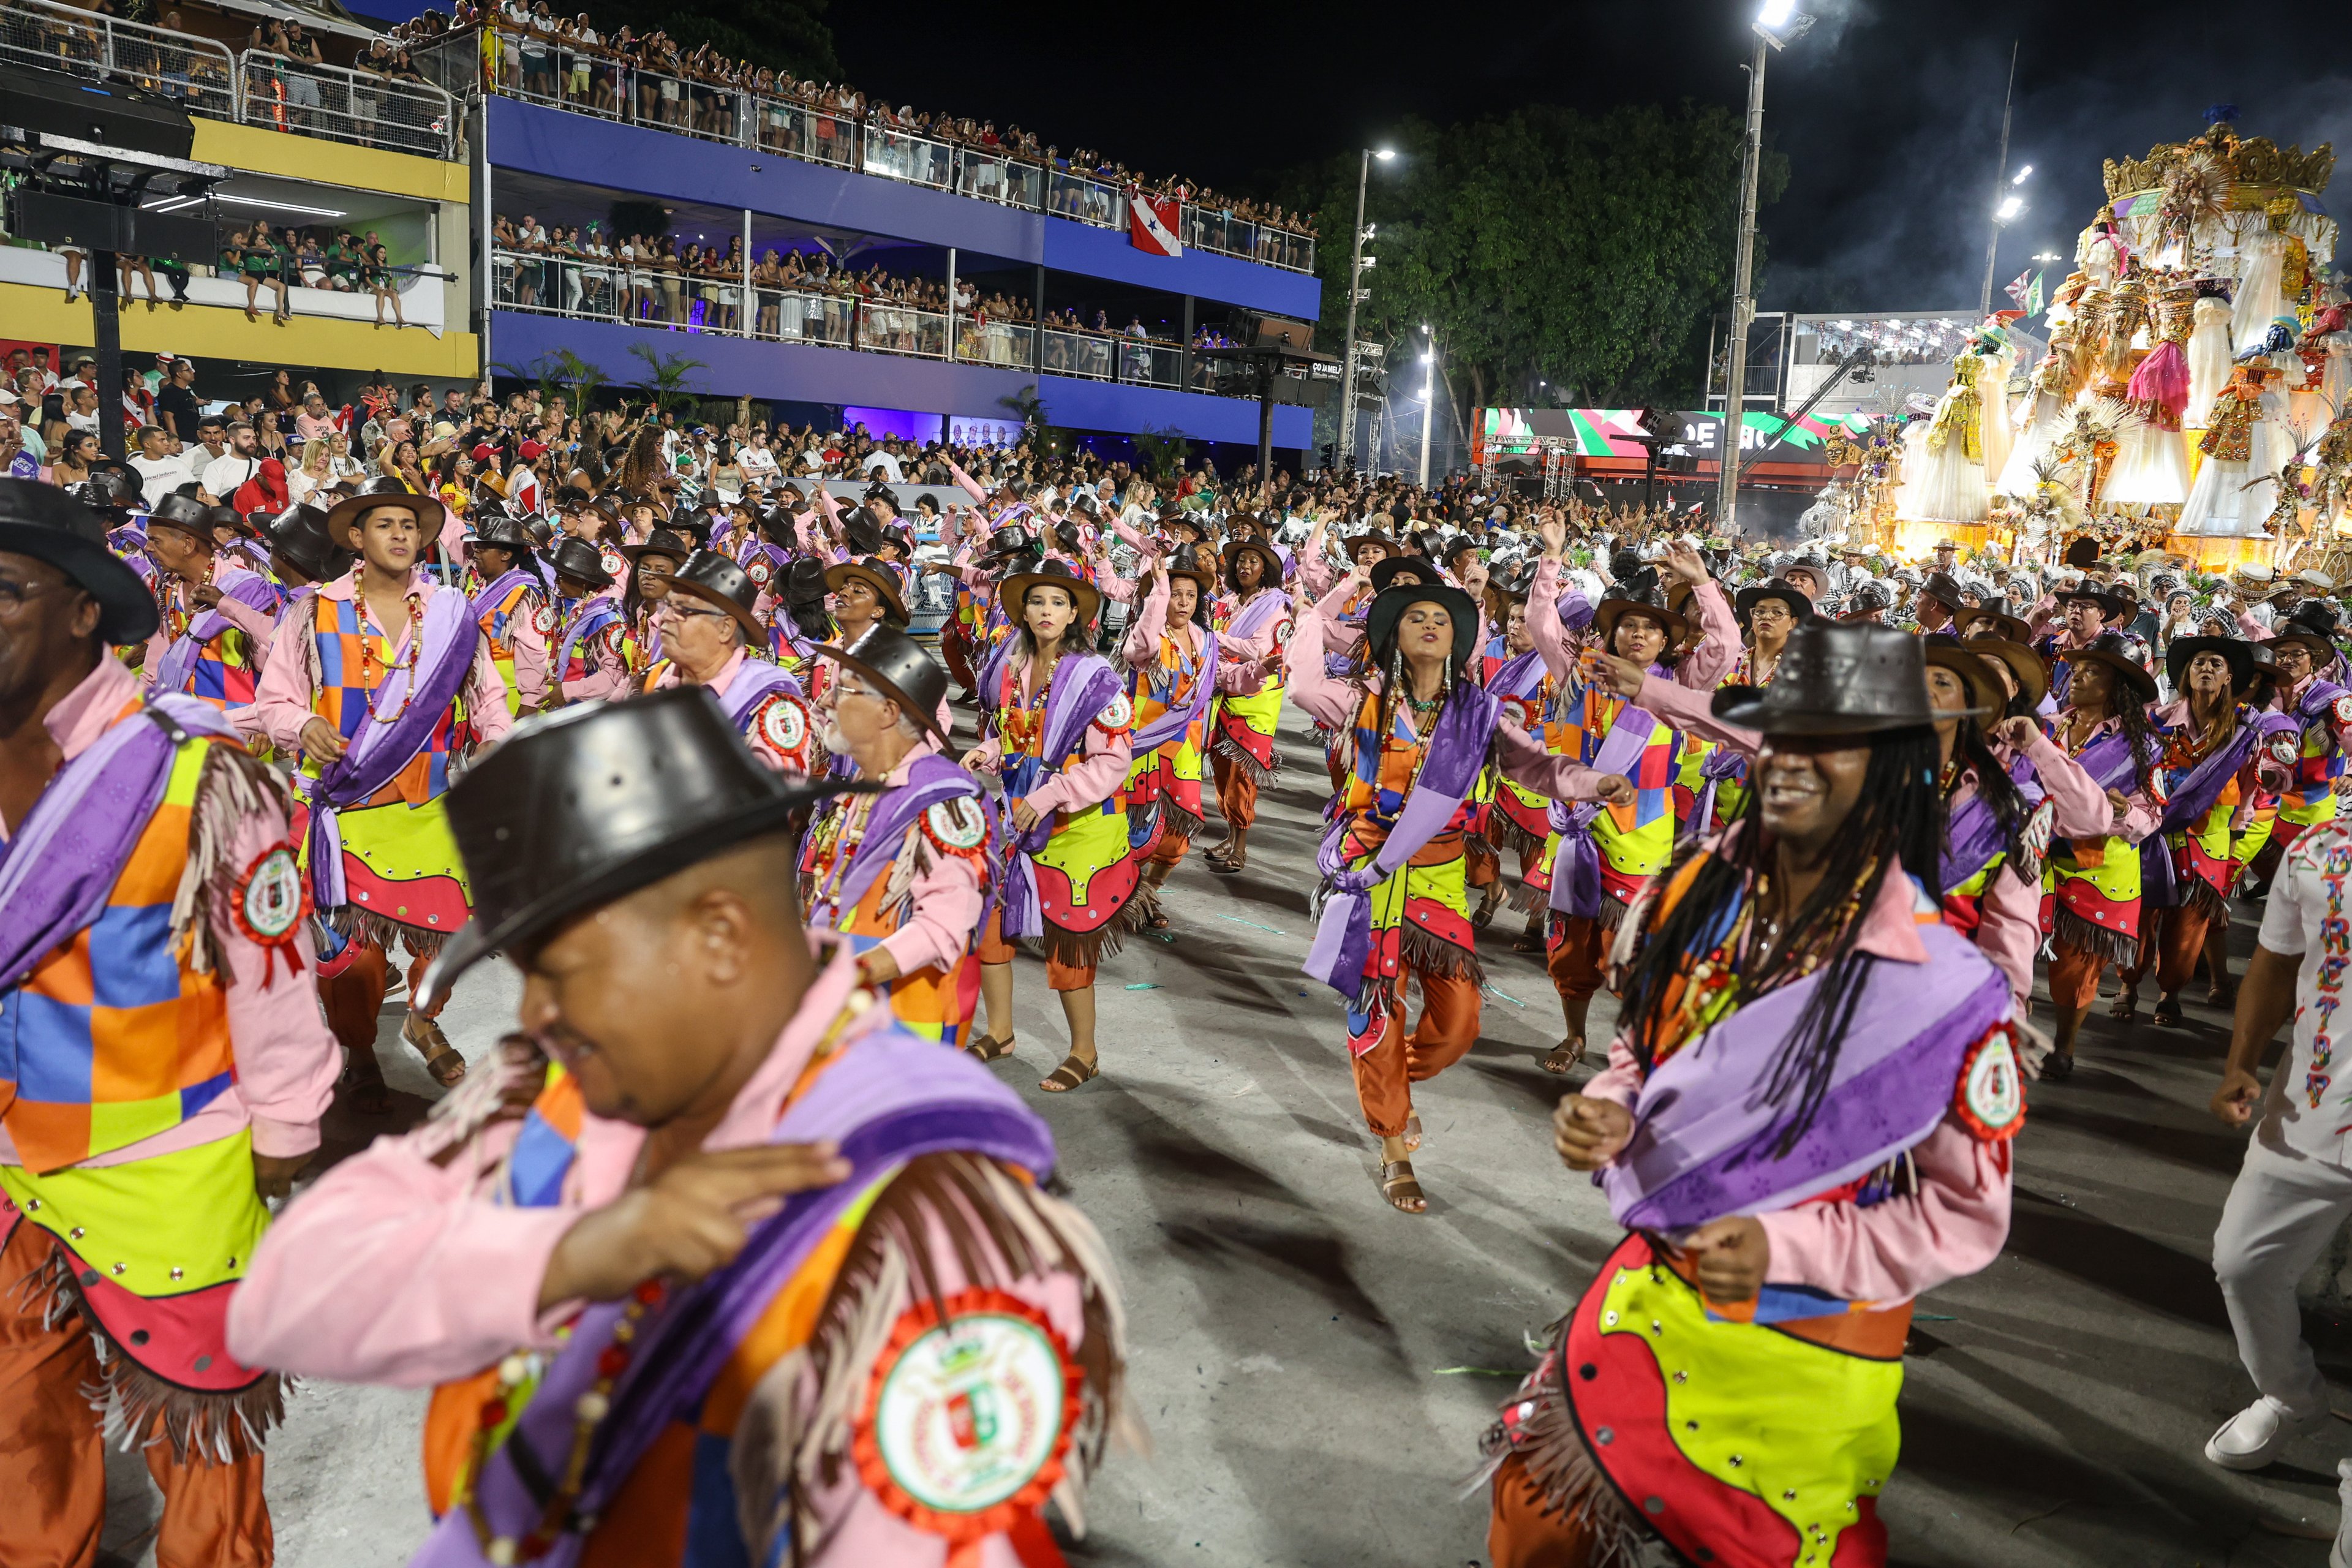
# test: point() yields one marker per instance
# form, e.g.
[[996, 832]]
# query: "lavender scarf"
[[1576, 866], [891, 1097], [179, 661], [1698, 1124], [753, 683], [1084, 685], [931, 780], [495, 595], [1175, 721], [1343, 927]]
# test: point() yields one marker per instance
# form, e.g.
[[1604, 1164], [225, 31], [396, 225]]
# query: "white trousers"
[[2281, 1212]]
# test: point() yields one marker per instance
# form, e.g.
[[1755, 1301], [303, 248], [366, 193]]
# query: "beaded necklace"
[[373, 670]]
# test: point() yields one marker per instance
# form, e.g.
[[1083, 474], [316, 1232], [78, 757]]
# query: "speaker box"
[[60, 218], [108, 113]]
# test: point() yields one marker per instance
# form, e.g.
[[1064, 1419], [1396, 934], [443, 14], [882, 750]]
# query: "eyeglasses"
[[678, 611]]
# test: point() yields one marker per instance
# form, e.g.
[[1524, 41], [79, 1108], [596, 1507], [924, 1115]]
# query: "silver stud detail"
[[33, 1207], [1737, 1461], [1656, 1327], [1788, 1497], [119, 1267], [1682, 1377], [231, 1263], [75, 1234], [1605, 1436], [1609, 1319], [1528, 1410], [177, 1272], [1690, 1425]]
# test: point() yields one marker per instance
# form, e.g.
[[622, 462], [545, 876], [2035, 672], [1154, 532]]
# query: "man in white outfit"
[[2295, 1186]]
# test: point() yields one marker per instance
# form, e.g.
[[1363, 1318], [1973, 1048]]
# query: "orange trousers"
[[53, 1461], [994, 948], [1237, 791], [354, 999], [1170, 851], [2075, 978], [2172, 940], [1385, 1074], [1522, 1533], [1575, 947]]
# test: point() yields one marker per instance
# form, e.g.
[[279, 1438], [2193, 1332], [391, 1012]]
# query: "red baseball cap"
[[532, 450], [484, 452]]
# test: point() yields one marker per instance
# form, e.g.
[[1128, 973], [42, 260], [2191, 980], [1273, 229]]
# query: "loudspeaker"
[[108, 113], [54, 218]]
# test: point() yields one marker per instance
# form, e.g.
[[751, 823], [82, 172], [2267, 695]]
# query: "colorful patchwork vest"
[[1164, 783], [500, 610], [2310, 798], [1636, 841], [1242, 725], [595, 617], [221, 670], [1078, 863], [2091, 886]]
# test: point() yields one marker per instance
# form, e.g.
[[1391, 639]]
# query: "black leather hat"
[[1986, 697], [298, 537], [504, 532], [343, 521], [43, 523], [1800, 602], [583, 805], [1944, 588], [1380, 620], [896, 667], [1385, 572], [1014, 592], [2114, 607], [2109, 649], [1011, 540], [660, 541], [804, 581], [874, 575], [690, 522], [2236, 651], [861, 533], [577, 559], [2312, 624], [1836, 680], [186, 513], [716, 580]]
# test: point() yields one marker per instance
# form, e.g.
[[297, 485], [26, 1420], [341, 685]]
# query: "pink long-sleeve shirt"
[[608, 672], [946, 897], [286, 1059], [286, 697], [1333, 703], [1087, 779], [1885, 1254], [259, 627], [794, 762], [398, 1268]]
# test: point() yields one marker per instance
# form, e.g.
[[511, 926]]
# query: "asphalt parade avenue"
[[1315, 1368]]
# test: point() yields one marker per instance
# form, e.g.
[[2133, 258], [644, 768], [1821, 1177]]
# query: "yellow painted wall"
[[210, 332], [266, 151]]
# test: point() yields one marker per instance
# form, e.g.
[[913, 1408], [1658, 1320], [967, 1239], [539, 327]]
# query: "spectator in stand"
[[175, 404], [162, 469], [230, 473], [71, 460], [316, 421], [15, 461]]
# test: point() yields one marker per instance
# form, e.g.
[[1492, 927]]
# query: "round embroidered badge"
[[782, 724], [1282, 630], [966, 1421], [1992, 1100], [1116, 714], [954, 825], [758, 572], [543, 618], [614, 563]]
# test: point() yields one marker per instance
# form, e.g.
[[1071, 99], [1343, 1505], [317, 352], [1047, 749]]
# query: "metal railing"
[[197, 72], [536, 69], [309, 100], [633, 294]]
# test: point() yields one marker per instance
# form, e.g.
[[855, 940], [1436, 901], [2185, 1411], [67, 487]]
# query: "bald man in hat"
[[218, 615], [708, 631]]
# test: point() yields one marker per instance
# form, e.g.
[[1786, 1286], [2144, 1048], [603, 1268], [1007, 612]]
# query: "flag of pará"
[[1151, 223], [2027, 291]]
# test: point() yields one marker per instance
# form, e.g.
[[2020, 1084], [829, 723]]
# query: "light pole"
[[1355, 287], [1428, 400], [2005, 212], [1777, 25]]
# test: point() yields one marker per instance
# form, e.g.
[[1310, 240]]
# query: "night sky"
[[1889, 110]]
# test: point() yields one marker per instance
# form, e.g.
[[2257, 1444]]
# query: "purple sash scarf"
[[379, 750], [893, 1097], [1343, 927], [57, 871], [1972, 838], [753, 683], [1576, 866], [931, 779], [491, 597], [1079, 697], [1898, 1066], [596, 613], [2193, 795], [178, 664], [1173, 724], [1519, 677], [1264, 608], [2312, 705]]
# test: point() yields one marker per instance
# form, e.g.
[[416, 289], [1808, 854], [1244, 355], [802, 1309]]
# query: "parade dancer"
[[167, 1067], [708, 633], [903, 876], [591, 658], [1253, 621], [1173, 665], [513, 609], [2216, 754], [865, 594], [2089, 613], [2091, 895], [1393, 900], [1517, 817], [650, 564], [392, 682], [1825, 1079], [1058, 729], [219, 614], [699, 1285], [2310, 672]]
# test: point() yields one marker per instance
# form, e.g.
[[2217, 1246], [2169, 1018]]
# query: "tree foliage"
[[1588, 251]]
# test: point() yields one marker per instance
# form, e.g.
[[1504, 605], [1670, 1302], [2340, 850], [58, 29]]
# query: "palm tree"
[[668, 374], [583, 376]]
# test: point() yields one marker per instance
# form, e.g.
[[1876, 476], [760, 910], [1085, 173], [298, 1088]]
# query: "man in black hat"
[[134, 1209], [2089, 612], [1794, 1007], [590, 656], [218, 616], [741, 1129], [1940, 599], [512, 606], [902, 874], [708, 632], [2310, 670], [645, 585]]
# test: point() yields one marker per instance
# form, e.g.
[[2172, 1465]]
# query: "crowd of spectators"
[[525, 50]]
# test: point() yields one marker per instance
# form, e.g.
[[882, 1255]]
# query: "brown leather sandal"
[[1070, 1074], [988, 1047], [2125, 1007], [441, 1058], [1403, 1193], [1563, 1056]]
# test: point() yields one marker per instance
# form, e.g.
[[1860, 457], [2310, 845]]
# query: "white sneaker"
[[2255, 1436]]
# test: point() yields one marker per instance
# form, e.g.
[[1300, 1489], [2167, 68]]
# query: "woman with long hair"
[[1057, 730], [1173, 662], [1823, 1074], [1394, 899]]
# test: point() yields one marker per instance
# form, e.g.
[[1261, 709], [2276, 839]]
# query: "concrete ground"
[[1315, 1368]]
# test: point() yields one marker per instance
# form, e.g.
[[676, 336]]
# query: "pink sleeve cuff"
[[283, 1139]]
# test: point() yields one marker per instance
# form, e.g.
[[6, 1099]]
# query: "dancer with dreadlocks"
[[1802, 1126], [1394, 899]]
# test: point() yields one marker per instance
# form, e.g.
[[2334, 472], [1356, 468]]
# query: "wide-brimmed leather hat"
[[2109, 649], [2025, 666], [1609, 611], [1800, 602], [1014, 592], [581, 562], [1009, 541], [1269, 561], [1385, 572], [2114, 607], [1380, 620], [586, 804], [874, 575], [2312, 625], [896, 666], [189, 515], [660, 541], [385, 490], [803, 582], [299, 536], [2237, 651], [2006, 627], [504, 532], [1185, 561], [1986, 698], [1836, 680], [716, 579], [1944, 588], [1373, 536], [43, 523]]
